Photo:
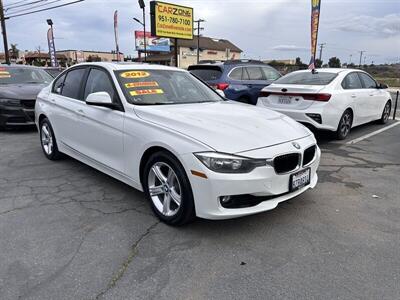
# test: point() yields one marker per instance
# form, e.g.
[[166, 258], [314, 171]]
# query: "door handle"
[[80, 112], [53, 100], [353, 96]]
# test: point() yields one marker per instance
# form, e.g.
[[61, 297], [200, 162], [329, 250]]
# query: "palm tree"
[[14, 51]]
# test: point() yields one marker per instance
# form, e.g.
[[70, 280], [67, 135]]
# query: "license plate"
[[300, 179], [285, 100]]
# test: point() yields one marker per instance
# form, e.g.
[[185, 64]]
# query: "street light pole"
[[199, 21], [4, 32], [143, 7]]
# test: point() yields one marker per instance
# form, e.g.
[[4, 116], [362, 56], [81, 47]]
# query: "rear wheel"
[[386, 113], [167, 187], [344, 125], [48, 140]]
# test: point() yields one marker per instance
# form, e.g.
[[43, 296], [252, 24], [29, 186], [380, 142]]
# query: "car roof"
[[116, 66], [330, 70]]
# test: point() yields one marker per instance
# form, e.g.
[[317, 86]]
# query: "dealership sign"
[[158, 44], [170, 20]]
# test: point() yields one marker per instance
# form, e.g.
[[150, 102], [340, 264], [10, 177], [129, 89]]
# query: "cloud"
[[292, 48], [388, 25]]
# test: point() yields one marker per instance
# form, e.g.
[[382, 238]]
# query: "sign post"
[[171, 21]]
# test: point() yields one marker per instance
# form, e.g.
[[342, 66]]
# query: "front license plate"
[[285, 100], [300, 179]]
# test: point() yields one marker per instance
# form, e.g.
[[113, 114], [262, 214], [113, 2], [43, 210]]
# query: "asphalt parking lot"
[[71, 232]]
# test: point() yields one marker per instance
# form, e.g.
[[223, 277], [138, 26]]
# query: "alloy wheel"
[[386, 112], [164, 189], [47, 139], [345, 126]]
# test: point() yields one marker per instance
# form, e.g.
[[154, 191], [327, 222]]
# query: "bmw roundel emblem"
[[296, 145]]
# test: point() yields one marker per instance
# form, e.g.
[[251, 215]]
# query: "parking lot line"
[[372, 134]]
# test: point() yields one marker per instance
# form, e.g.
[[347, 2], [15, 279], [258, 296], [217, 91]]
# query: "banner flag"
[[52, 48], [315, 13], [116, 33]]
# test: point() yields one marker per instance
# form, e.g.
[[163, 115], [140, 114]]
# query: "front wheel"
[[386, 113], [344, 125], [167, 186], [48, 140]]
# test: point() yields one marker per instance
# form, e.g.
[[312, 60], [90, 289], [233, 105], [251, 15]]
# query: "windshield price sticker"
[[135, 74], [147, 92], [141, 84], [5, 74]]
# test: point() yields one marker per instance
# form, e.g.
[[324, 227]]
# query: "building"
[[211, 49], [281, 61], [77, 56], [42, 59]]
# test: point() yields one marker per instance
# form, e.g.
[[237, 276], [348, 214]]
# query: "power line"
[[35, 6], [44, 9], [21, 5], [18, 2]]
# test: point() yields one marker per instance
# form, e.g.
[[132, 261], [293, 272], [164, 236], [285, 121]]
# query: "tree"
[[334, 62], [318, 63], [93, 58], [300, 64], [14, 52]]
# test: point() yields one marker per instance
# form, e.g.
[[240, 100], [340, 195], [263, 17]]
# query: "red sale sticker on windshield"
[[147, 92], [141, 84], [135, 74]]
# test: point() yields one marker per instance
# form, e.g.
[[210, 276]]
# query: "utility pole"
[[199, 21], [351, 55], [4, 32], [321, 46], [361, 54]]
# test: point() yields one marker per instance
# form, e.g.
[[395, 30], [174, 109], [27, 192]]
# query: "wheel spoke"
[[45, 131], [166, 204], [156, 190], [175, 196], [159, 174], [170, 177]]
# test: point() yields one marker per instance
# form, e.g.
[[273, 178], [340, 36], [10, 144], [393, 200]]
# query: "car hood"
[[20, 91], [226, 126]]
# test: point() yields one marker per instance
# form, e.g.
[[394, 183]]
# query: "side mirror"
[[100, 99], [382, 86]]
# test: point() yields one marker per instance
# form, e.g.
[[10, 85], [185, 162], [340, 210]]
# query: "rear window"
[[307, 78], [206, 73]]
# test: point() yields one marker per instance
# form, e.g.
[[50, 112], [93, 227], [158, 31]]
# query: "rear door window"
[[351, 82], [72, 83], [368, 82], [255, 73], [270, 73], [207, 73]]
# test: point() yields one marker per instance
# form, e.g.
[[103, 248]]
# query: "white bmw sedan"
[[164, 132], [329, 99]]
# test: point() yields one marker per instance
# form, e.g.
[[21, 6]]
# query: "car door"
[[354, 96], [237, 89], [253, 77], [65, 102], [376, 98], [101, 129]]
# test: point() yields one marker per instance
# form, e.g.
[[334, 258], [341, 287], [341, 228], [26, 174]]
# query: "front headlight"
[[228, 163], [10, 102]]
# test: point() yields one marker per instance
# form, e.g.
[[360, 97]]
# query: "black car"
[[19, 86]]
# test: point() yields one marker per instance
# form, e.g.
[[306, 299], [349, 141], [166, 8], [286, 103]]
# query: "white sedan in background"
[[329, 99], [164, 132]]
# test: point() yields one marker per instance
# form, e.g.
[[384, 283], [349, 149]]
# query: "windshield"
[[307, 78], [152, 87], [18, 75]]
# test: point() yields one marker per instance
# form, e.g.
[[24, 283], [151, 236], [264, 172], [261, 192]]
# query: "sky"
[[269, 29]]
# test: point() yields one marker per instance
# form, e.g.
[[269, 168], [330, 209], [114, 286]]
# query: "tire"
[[386, 113], [48, 140], [165, 176], [344, 126]]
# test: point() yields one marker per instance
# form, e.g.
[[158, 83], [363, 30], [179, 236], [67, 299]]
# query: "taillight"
[[306, 96], [221, 86]]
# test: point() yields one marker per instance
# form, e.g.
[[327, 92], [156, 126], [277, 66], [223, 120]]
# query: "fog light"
[[225, 199], [316, 117]]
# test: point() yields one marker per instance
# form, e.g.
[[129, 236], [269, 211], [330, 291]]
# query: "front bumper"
[[261, 182], [14, 116]]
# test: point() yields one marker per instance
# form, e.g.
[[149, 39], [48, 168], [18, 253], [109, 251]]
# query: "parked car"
[[164, 132], [19, 86], [53, 71], [329, 99], [240, 80]]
